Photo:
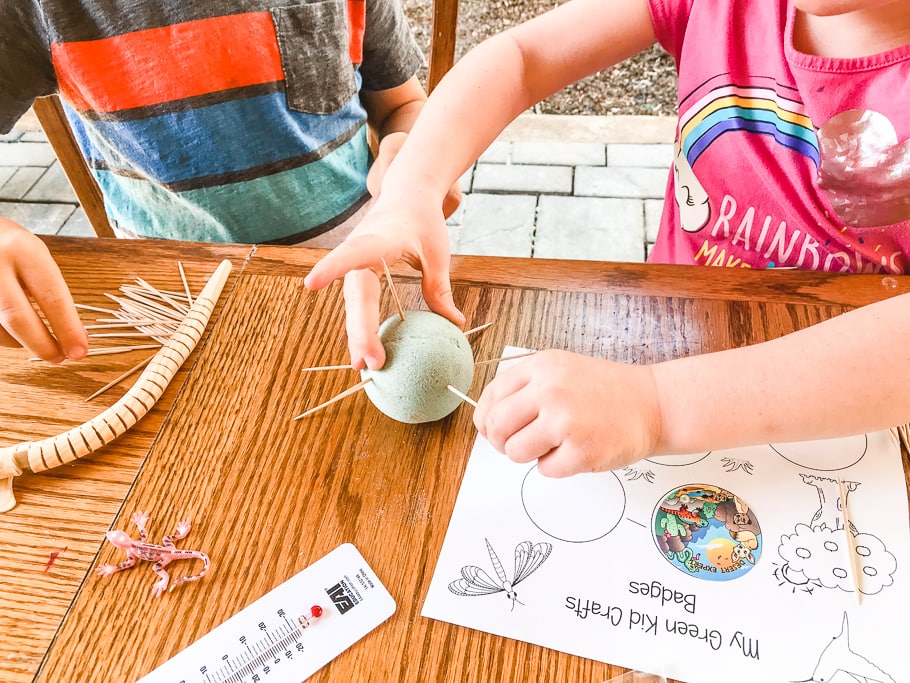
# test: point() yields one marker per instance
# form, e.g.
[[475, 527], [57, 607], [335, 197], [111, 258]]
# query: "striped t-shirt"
[[232, 121]]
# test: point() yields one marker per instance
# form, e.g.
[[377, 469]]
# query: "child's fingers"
[[46, 285], [437, 292], [22, 324], [355, 253], [437, 287], [557, 463], [361, 302], [504, 408]]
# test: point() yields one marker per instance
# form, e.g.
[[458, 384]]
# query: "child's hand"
[[388, 148], [411, 228], [571, 412], [28, 270]]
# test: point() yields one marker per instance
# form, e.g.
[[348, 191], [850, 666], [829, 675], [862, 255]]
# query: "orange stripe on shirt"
[[171, 63], [357, 20]]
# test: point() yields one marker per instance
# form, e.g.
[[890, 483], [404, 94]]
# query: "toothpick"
[[86, 307], [186, 286], [116, 349], [117, 335], [114, 324], [903, 432], [478, 328], [388, 276], [328, 367], [463, 397], [115, 382], [851, 541], [347, 392], [504, 358], [121, 349], [162, 296]]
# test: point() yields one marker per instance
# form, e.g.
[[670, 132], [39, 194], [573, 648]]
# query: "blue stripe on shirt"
[[259, 210], [215, 140]]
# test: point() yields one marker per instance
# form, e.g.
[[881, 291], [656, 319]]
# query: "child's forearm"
[[506, 75], [463, 115], [845, 376]]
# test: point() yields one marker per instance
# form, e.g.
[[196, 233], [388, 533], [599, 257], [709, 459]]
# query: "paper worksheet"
[[705, 567]]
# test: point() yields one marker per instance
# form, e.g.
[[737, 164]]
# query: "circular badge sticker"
[[707, 532]]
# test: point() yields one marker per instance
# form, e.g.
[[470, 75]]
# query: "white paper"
[[594, 582]]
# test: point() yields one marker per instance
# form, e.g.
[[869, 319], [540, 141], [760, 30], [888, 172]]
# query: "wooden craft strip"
[[38, 456]]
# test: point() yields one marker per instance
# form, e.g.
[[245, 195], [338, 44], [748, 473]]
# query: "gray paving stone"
[[21, 180], [466, 179], [496, 225], [641, 156], [12, 136], [653, 210], [33, 136], [77, 225], [52, 187], [559, 153], [454, 236], [41, 219], [523, 178], [457, 217], [26, 154], [6, 172], [498, 152], [640, 183], [590, 228]]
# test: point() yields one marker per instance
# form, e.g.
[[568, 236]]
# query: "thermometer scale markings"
[[255, 659], [265, 642]]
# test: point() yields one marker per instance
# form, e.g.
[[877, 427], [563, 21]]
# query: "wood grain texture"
[[72, 506], [269, 496], [442, 41]]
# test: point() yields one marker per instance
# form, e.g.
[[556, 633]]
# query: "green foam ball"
[[424, 353]]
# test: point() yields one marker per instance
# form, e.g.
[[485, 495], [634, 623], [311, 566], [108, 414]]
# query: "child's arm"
[[845, 376], [28, 270], [391, 114], [483, 92]]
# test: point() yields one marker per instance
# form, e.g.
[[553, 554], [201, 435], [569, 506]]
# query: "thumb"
[[437, 292]]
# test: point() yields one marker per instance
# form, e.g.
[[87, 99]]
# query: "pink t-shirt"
[[782, 159]]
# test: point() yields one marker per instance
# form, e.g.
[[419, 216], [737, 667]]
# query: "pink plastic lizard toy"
[[161, 555]]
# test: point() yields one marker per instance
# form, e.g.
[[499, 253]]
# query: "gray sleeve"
[[390, 52], [26, 71]]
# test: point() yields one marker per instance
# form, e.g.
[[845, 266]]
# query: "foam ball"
[[424, 353]]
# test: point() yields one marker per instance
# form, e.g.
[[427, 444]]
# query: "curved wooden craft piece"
[[37, 456]]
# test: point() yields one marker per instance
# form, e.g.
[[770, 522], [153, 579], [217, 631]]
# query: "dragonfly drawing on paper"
[[475, 581]]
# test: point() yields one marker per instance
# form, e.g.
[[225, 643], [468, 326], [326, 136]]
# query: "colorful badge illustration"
[[707, 532]]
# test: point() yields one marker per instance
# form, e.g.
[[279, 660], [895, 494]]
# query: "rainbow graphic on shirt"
[[715, 110]]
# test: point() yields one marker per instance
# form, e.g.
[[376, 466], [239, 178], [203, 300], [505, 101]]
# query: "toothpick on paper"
[[388, 276], [851, 541]]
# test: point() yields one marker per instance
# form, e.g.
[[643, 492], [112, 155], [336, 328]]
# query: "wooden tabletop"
[[267, 495]]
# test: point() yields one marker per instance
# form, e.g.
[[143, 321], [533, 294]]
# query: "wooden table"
[[269, 496]]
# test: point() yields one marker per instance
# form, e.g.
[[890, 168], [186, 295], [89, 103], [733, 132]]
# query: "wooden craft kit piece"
[[37, 456]]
